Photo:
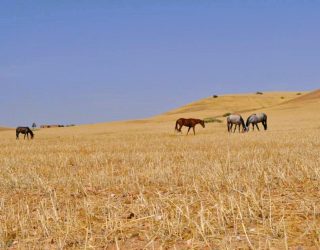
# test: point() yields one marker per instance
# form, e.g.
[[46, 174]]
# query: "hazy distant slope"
[[302, 111], [209, 107], [303, 102], [4, 128], [311, 96]]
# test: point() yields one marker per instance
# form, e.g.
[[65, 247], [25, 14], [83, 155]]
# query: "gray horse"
[[254, 119], [238, 121]]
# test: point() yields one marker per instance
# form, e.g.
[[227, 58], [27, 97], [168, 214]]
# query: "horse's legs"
[[239, 128], [194, 132], [188, 130], [264, 123], [24, 137], [252, 127], [257, 127], [17, 135], [235, 128]]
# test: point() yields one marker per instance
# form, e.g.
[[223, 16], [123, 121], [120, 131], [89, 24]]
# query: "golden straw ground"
[[133, 185]]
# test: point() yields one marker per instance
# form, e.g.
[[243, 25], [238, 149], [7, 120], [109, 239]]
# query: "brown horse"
[[190, 123], [24, 130]]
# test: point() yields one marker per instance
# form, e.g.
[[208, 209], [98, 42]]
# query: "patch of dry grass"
[[139, 185]]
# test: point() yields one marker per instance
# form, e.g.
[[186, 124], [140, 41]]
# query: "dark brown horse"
[[190, 123], [24, 130]]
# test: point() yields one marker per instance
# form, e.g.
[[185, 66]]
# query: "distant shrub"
[[211, 119], [214, 96], [282, 97], [226, 114], [299, 93], [259, 93]]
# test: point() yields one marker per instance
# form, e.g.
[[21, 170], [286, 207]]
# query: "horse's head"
[[31, 133], [202, 123], [245, 129]]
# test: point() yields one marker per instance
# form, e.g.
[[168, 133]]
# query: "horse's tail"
[[265, 123], [31, 133], [176, 127], [228, 124]]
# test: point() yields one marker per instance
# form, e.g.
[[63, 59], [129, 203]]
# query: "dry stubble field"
[[137, 185]]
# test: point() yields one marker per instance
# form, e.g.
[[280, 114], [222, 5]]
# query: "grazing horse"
[[254, 119], [191, 123], [24, 130], [238, 121]]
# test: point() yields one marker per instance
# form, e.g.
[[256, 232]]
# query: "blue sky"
[[94, 61]]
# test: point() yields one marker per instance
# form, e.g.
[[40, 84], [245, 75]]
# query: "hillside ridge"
[[306, 97], [231, 103]]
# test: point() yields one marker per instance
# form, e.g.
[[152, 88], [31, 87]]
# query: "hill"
[[311, 96], [216, 107], [301, 112], [203, 108], [277, 103]]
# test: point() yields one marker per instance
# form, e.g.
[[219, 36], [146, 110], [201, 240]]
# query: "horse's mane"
[[247, 123], [242, 122]]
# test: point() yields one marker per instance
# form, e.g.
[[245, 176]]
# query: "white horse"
[[238, 121], [254, 119]]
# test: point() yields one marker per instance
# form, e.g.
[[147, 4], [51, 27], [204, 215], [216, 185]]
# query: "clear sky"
[[94, 61]]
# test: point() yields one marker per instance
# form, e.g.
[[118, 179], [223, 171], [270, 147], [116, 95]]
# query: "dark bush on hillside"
[[299, 93], [282, 97], [215, 96], [211, 119], [226, 114], [259, 93]]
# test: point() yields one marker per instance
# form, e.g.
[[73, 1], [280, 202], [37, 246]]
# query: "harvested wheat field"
[[4, 128], [138, 185]]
